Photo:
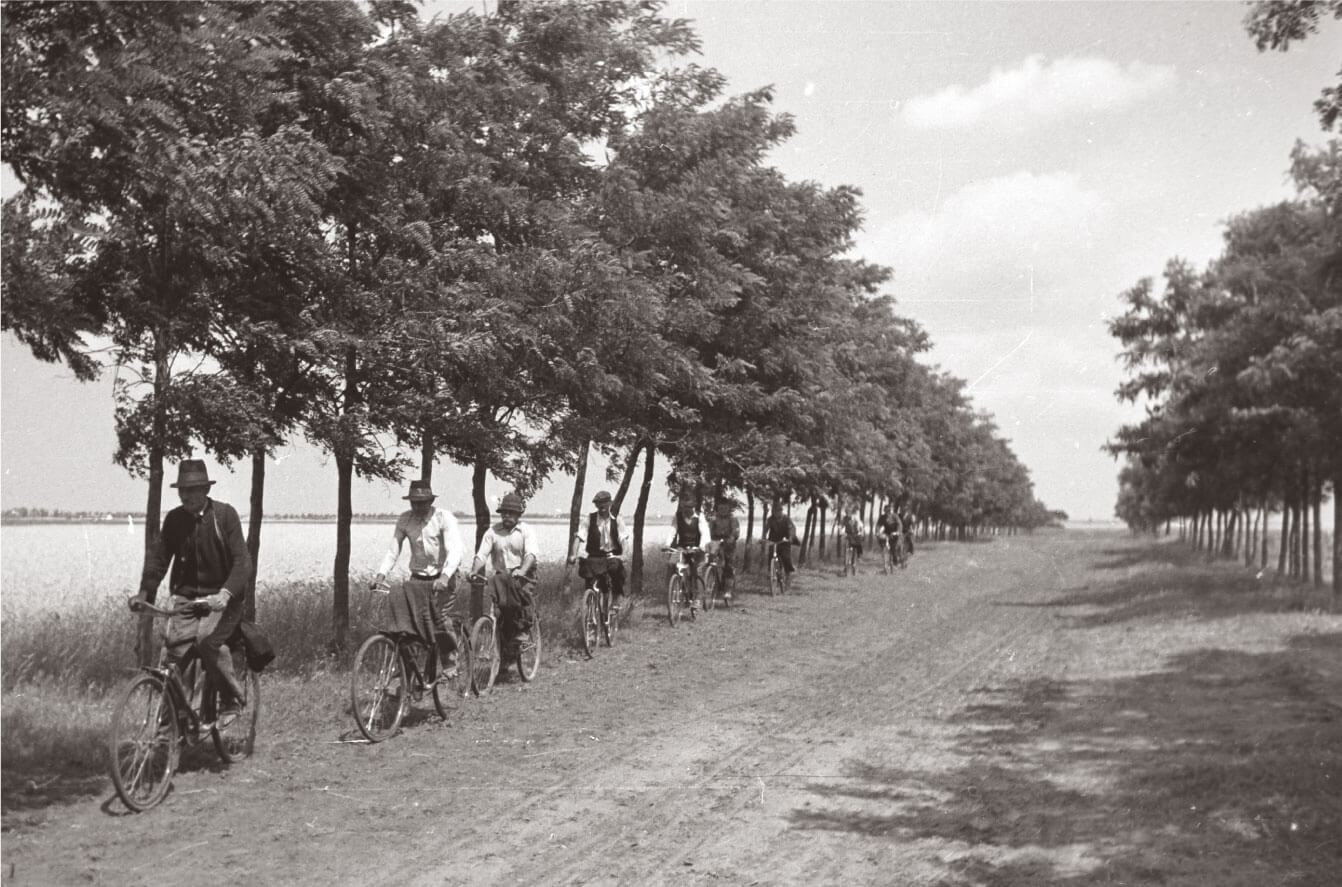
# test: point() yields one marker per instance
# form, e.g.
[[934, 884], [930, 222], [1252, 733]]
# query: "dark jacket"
[[206, 553]]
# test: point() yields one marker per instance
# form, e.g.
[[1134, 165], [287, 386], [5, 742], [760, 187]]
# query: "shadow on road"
[[1214, 766]]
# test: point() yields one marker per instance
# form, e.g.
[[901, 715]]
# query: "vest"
[[687, 531], [594, 536]]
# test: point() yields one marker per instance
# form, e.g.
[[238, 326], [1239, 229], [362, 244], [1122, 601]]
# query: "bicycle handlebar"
[[192, 608]]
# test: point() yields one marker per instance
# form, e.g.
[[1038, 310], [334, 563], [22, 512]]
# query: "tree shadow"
[[1223, 768], [1162, 581]]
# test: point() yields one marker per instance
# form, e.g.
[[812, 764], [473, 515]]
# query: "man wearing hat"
[[435, 555], [603, 541], [510, 547], [202, 540]]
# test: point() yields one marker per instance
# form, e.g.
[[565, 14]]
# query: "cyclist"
[[853, 531], [890, 529], [510, 547], [423, 602], [202, 539], [689, 530], [780, 529], [603, 539], [724, 531], [910, 523]]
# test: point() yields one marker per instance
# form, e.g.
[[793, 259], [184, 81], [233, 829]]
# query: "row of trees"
[[1242, 365], [508, 240]]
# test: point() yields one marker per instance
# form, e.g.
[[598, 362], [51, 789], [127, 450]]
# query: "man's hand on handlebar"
[[137, 602]]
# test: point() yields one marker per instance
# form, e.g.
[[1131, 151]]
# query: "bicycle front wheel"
[[144, 745], [378, 692], [775, 578], [529, 652], [710, 583], [447, 694], [235, 741], [590, 625], [484, 655], [675, 598]]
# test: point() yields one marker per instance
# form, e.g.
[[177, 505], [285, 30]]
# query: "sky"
[[1021, 165]]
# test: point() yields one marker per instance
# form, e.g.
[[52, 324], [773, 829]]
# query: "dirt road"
[[1031, 710]]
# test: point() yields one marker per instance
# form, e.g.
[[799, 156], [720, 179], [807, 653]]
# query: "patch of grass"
[[62, 671]]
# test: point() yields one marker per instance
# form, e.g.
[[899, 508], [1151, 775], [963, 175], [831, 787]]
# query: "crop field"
[[49, 568]]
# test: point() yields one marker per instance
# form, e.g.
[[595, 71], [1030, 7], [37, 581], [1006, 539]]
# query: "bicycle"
[[716, 584], [890, 552], [680, 599], [167, 707], [775, 575], [392, 669], [488, 652], [849, 558], [599, 618]]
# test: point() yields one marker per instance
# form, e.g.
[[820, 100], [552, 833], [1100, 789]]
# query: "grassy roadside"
[[62, 673]]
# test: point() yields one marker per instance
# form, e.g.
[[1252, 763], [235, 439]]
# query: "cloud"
[[1038, 90], [994, 239]]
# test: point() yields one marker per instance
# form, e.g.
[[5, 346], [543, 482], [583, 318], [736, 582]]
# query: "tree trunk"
[[426, 457], [478, 474], [257, 502], [640, 513], [824, 513], [575, 506], [344, 517], [806, 534], [750, 530], [1316, 495], [629, 465], [1285, 536], [1263, 539], [153, 510], [1337, 535], [1304, 523]]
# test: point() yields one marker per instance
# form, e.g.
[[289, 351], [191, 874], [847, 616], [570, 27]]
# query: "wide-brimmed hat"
[[512, 502], [192, 473], [603, 496], [420, 491]]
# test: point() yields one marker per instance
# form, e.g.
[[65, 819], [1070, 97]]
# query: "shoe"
[[448, 671], [228, 714]]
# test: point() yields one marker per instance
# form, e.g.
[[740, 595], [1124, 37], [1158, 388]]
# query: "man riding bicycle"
[[890, 530], [202, 539], [510, 547], [435, 555], [603, 539], [689, 530], [782, 532], [853, 530], [724, 531]]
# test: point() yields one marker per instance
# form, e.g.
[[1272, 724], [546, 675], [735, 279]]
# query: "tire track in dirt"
[[673, 809]]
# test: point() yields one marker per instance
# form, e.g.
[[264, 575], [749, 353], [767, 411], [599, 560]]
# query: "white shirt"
[[505, 550], [435, 544]]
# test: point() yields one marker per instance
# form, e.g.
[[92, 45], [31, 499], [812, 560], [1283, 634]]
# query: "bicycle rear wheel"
[[529, 652], [236, 740], [378, 692], [590, 621], [675, 598], [711, 580], [145, 745], [484, 655]]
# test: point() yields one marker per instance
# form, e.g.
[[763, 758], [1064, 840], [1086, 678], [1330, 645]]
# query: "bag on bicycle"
[[256, 646]]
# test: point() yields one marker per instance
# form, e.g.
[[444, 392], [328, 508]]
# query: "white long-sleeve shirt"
[[435, 544]]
